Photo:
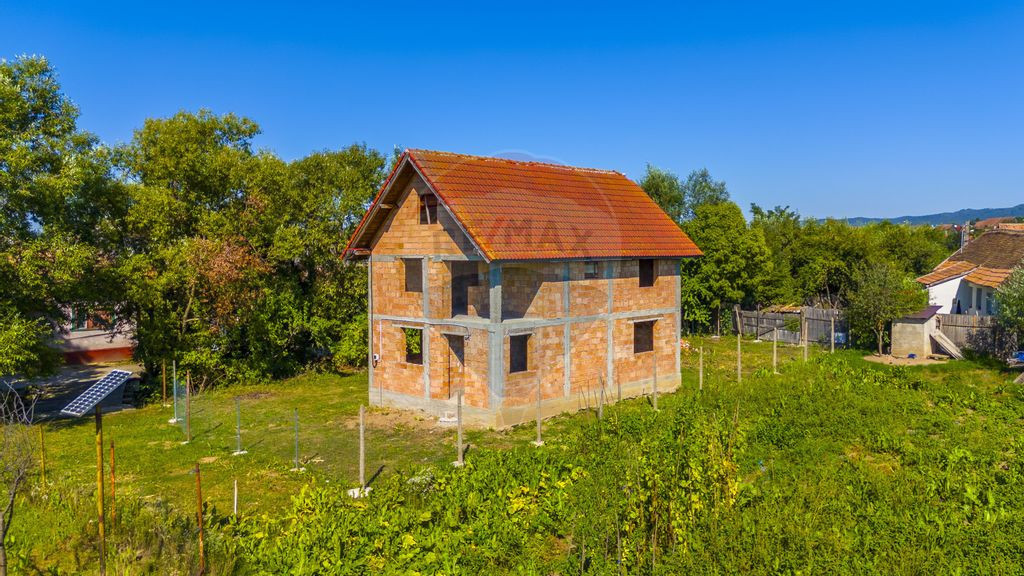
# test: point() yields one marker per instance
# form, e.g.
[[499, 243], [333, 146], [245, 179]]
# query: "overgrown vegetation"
[[833, 466]]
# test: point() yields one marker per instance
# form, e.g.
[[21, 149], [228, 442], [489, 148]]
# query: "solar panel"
[[96, 393]]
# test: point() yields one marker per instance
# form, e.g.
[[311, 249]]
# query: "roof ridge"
[[566, 167]]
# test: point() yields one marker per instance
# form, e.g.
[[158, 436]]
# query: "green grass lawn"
[[828, 456]]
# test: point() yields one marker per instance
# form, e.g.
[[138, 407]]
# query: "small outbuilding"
[[912, 334]]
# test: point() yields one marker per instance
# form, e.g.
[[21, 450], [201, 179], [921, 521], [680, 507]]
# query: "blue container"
[[1020, 356]]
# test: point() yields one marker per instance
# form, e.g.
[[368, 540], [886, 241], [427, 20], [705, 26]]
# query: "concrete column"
[[425, 280], [566, 338], [678, 314], [369, 321], [496, 341], [425, 348], [609, 273], [495, 295]]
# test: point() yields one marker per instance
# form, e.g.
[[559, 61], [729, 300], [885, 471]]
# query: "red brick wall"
[[403, 233], [392, 372], [587, 297], [389, 295], [441, 290], [545, 363], [589, 346], [473, 374], [532, 290], [630, 296], [630, 367]]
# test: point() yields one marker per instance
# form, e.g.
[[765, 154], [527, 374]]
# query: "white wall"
[[947, 293]]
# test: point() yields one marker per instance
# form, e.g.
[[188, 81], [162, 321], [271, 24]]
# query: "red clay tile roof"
[[945, 271], [515, 210], [991, 277], [987, 260], [1010, 226]]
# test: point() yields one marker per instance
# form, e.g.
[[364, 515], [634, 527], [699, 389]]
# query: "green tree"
[[666, 190], [736, 262], [680, 199], [1010, 303], [57, 205], [701, 189], [882, 293], [236, 263], [781, 228]]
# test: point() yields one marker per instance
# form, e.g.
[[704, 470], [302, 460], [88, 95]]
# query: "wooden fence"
[[819, 322], [980, 333]]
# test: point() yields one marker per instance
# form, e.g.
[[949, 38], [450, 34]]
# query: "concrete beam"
[[434, 257], [528, 323]]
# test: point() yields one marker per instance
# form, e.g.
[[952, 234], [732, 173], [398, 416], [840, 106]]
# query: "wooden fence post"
[[99, 491], [113, 488]]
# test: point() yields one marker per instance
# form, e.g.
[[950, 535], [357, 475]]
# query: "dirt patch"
[[208, 460], [896, 361], [389, 419]]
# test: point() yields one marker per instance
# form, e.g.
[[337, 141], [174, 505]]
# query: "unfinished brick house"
[[504, 279]]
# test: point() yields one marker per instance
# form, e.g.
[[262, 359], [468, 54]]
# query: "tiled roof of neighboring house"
[[987, 260], [515, 210], [992, 222], [946, 271], [991, 277], [1010, 226]]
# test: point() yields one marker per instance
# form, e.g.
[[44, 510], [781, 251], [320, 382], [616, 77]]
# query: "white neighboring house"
[[93, 336], [965, 283]]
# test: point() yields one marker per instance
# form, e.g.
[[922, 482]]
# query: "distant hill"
[[958, 217]]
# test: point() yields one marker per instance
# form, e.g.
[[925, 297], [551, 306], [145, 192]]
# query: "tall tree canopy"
[[680, 199], [57, 200], [735, 264], [224, 257], [814, 261], [235, 265]]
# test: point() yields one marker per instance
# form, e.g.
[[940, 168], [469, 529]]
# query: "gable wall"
[[403, 234]]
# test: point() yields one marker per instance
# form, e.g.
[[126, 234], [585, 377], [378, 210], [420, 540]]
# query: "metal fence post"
[[775, 350], [700, 370], [739, 359]]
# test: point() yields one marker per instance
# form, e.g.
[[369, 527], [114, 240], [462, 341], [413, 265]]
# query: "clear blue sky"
[[834, 108]]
